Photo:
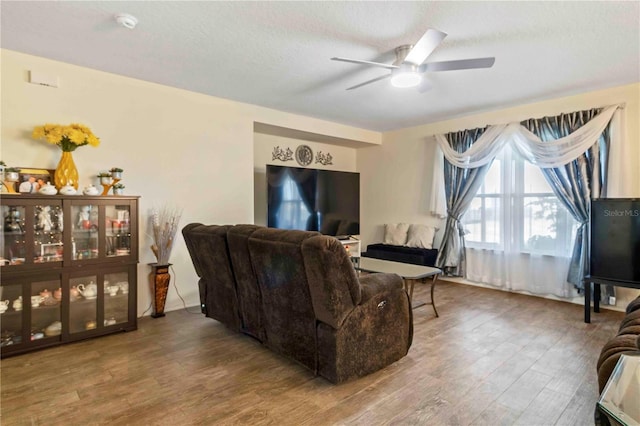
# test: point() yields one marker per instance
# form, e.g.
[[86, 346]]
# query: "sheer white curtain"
[[529, 146], [516, 249], [537, 274]]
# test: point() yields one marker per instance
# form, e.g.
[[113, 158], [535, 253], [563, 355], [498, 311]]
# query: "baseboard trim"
[[574, 300]]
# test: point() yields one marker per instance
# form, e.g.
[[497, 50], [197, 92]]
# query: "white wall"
[[344, 159], [178, 147], [396, 176]]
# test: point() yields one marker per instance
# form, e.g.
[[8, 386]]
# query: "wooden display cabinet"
[[69, 269]]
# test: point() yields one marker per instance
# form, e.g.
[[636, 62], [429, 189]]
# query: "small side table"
[[620, 399]]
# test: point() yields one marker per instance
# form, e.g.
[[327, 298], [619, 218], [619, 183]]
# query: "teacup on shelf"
[[36, 300]]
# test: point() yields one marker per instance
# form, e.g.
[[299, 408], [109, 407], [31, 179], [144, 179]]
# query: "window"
[[516, 210]]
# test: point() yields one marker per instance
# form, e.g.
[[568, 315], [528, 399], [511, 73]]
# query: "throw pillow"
[[395, 233], [421, 236]]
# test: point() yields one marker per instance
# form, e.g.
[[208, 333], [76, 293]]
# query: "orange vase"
[[66, 172]]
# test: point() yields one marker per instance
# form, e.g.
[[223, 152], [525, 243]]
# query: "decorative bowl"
[[48, 189]]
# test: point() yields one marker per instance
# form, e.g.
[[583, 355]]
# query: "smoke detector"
[[126, 20]]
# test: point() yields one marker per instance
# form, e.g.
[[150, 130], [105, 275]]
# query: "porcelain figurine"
[[36, 300], [44, 219], [91, 190], [17, 304], [57, 294], [90, 291], [83, 217], [48, 189], [4, 305]]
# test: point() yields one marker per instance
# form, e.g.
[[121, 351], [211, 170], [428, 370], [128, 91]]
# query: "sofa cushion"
[[633, 306], [611, 353], [395, 233], [217, 282], [631, 318], [333, 283], [421, 236], [289, 320], [249, 297]]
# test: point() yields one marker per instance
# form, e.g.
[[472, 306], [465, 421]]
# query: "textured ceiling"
[[276, 54]]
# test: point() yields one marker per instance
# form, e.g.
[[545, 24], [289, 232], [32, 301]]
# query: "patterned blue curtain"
[[578, 182], [460, 186]]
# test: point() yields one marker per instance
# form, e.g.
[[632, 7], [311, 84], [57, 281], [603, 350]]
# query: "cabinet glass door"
[[84, 239], [13, 237], [118, 232], [48, 227], [116, 298], [46, 297], [10, 315], [83, 296]]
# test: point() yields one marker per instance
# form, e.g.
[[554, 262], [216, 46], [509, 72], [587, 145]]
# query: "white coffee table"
[[408, 272]]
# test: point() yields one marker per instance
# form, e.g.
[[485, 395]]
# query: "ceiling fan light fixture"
[[406, 78]]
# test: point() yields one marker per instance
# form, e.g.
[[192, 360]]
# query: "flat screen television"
[[615, 239], [313, 200]]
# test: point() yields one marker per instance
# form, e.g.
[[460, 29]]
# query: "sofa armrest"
[[376, 332], [373, 284]]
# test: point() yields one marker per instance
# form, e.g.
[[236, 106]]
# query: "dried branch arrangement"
[[165, 225]]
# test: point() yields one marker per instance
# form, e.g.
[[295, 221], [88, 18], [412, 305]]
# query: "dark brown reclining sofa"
[[298, 293], [627, 340]]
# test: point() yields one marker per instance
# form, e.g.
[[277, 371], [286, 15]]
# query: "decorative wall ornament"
[[324, 159], [304, 155], [282, 154]]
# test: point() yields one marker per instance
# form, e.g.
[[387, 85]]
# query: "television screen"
[[615, 239], [313, 200]]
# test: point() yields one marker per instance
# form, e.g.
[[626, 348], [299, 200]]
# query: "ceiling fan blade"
[[357, 61], [462, 64], [425, 46], [369, 82]]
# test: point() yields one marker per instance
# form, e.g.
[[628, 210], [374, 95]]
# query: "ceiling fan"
[[408, 68]]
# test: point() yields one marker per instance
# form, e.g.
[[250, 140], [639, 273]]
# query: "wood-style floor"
[[491, 358]]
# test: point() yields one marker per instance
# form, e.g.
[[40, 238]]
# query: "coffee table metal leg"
[[409, 286], [433, 301]]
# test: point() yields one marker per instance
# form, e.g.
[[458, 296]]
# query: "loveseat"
[[298, 293], [626, 340]]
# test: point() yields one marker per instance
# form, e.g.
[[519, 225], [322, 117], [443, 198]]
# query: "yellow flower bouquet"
[[68, 138]]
